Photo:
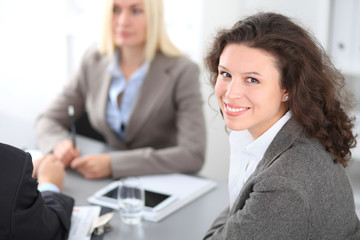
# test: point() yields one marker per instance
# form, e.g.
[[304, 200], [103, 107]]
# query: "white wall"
[[313, 15], [32, 55], [216, 15]]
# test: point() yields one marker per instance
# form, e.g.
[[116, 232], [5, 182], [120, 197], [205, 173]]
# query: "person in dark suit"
[[25, 212], [290, 137]]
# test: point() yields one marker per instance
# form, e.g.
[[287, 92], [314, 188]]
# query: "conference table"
[[189, 222]]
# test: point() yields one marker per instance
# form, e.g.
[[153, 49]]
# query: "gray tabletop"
[[189, 222]]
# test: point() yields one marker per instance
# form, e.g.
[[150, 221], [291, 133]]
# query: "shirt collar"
[[115, 70], [119, 82], [244, 141]]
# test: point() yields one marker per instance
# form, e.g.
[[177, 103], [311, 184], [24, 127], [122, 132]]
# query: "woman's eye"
[[252, 80], [137, 11], [225, 74], [116, 10]]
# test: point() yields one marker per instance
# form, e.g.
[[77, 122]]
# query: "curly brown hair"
[[317, 97]]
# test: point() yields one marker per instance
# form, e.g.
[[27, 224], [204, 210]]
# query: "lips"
[[234, 110], [122, 33]]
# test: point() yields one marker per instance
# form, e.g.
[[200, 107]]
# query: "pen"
[[71, 112]]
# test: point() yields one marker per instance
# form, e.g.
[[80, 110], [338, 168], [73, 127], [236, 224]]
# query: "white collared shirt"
[[246, 153]]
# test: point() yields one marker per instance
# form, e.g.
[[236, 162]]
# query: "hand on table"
[[66, 152], [93, 166], [51, 170]]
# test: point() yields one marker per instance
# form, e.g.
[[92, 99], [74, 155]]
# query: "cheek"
[[219, 89], [142, 33], [270, 100], [113, 26], [142, 26]]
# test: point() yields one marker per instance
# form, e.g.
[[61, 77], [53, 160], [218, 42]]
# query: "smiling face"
[[129, 23], [248, 89]]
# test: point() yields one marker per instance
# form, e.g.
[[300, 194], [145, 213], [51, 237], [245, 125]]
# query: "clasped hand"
[[48, 169], [90, 166]]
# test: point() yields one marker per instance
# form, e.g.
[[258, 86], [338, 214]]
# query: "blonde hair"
[[157, 38]]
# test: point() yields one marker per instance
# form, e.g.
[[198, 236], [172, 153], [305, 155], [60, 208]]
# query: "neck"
[[132, 57]]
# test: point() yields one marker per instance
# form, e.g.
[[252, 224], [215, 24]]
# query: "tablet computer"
[[154, 200]]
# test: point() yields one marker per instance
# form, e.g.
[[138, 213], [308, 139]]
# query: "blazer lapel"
[[154, 85], [103, 99], [282, 141]]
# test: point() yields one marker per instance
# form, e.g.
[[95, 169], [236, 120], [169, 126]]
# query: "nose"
[[234, 89], [123, 18]]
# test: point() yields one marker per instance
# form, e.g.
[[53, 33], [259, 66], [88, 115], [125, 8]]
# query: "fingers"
[[51, 170], [93, 166], [50, 163], [66, 152], [84, 165], [79, 162], [36, 164]]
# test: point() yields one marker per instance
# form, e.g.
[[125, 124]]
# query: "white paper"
[[35, 153], [184, 188], [81, 220], [179, 185]]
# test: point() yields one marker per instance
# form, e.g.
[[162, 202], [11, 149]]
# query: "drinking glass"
[[131, 200]]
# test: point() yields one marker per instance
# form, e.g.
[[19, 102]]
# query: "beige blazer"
[[166, 130], [296, 192]]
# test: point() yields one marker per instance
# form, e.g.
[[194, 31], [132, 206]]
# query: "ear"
[[285, 95]]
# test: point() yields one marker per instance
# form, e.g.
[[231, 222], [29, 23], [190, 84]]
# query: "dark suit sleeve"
[[38, 215]]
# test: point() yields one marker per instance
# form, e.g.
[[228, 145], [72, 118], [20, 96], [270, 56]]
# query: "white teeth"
[[235, 109]]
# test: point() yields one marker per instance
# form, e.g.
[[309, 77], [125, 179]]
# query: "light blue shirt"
[[48, 187], [118, 116]]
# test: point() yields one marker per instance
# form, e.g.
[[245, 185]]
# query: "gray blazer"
[[166, 131], [296, 192]]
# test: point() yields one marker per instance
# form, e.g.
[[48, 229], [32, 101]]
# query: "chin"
[[235, 127]]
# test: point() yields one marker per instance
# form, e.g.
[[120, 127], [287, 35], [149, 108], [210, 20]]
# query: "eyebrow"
[[136, 5], [133, 5], [244, 73]]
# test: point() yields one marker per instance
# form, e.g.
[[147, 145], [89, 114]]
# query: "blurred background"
[[42, 42]]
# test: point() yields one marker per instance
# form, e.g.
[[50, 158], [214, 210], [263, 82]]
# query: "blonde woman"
[[140, 93]]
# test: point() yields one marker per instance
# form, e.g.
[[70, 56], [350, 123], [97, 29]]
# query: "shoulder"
[[308, 164], [16, 166], [177, 63], [93, 56], [15, 171], [293, 154], [293, 146], [308, 153], [93, 52], [12, 157]]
